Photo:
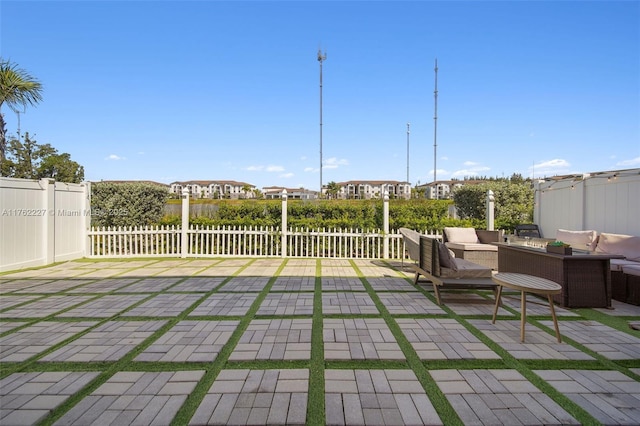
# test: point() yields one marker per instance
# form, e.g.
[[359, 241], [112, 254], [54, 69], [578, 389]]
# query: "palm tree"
[[17, 89]]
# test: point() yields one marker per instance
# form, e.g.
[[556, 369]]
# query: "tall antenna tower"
[[435, 130], [321, 58], [408, 131]]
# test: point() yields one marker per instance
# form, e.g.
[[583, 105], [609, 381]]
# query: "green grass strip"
[[435, 395], [316, 414], [212, 369]]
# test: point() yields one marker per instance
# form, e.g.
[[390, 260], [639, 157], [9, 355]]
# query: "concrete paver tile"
[[225, 304], [37, 338], [231, 400], [108, 342]]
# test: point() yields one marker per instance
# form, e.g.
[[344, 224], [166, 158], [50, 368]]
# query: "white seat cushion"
[[631, 270], [472, 246], [619, 264], [466, 269]]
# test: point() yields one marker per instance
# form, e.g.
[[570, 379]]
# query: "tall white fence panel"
[[41, 222], [605, 202]]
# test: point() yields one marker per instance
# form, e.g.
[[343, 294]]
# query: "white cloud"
[[631, 162], [275, 169], [334, 163], [303, 158], [310, 169], [114, 157], [470, 172], [550, 168], [469, 163], [286, 175], [556, 163], [269, 168]]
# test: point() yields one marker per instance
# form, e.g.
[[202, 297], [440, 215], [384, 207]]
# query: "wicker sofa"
[[625, 273], [438, 266], [474, 245]]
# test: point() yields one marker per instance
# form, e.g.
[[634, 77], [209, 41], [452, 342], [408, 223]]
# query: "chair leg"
[[436, 293]]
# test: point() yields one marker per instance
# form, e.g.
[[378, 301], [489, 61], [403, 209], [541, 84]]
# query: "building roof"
[[371, 182], [132, 181], [209, 182]]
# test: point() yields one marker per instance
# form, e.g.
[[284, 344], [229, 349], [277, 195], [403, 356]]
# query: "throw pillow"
[[625, 245], [580, 240], [461, 235], [445, 257]]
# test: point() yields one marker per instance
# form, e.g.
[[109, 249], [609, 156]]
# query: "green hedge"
[[127, 203], [423, 215]]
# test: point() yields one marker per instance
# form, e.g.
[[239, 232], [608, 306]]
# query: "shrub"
[[127, 204]]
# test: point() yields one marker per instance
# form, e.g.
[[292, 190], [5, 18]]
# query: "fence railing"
[[166, 241]]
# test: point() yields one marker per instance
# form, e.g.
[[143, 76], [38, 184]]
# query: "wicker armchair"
[[481, 251]]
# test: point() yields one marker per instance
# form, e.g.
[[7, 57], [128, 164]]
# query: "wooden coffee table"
[[527, 284]]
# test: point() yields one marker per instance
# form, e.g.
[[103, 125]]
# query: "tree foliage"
[[127, 203], [29, 160], [17, 89], [513, 202]]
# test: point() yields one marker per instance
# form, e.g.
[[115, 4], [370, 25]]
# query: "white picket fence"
[[224, 241]]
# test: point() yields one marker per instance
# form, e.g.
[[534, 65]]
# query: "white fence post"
[[184, 246], [86, 210], [284, 223], [490, 210], [385, 226], [49, 220]]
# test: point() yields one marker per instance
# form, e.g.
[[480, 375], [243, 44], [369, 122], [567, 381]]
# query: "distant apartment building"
[[273, 192], [368, 189], [215, 189], [443, 189]]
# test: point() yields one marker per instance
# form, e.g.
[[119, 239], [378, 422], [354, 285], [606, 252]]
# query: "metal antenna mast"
[[321, 58], [435, 130], [408, 124]]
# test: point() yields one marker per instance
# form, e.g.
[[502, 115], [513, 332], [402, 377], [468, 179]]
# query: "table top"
[[578, 254], [527, 283]]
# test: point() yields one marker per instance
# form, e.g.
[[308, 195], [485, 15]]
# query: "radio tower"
[[435, 130], [321, 58]]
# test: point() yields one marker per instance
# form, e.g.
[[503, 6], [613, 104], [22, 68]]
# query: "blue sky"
[[168, 91]]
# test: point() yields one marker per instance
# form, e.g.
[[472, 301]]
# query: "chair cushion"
[[461, 235], [466, 269], [447, 260], [624, 245], [472, 246], [632, 270], [578, 239], [620, 264]]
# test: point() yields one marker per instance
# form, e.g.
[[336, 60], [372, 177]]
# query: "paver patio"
[[265, 341]]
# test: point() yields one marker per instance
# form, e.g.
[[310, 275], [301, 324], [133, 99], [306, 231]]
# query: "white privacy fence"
[[603, 201], [41, 222]]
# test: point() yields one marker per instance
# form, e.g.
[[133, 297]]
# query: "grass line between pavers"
[[125, 362], [52, 318], [190, 405], [316, 414], [433, 392], [511, 362]]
